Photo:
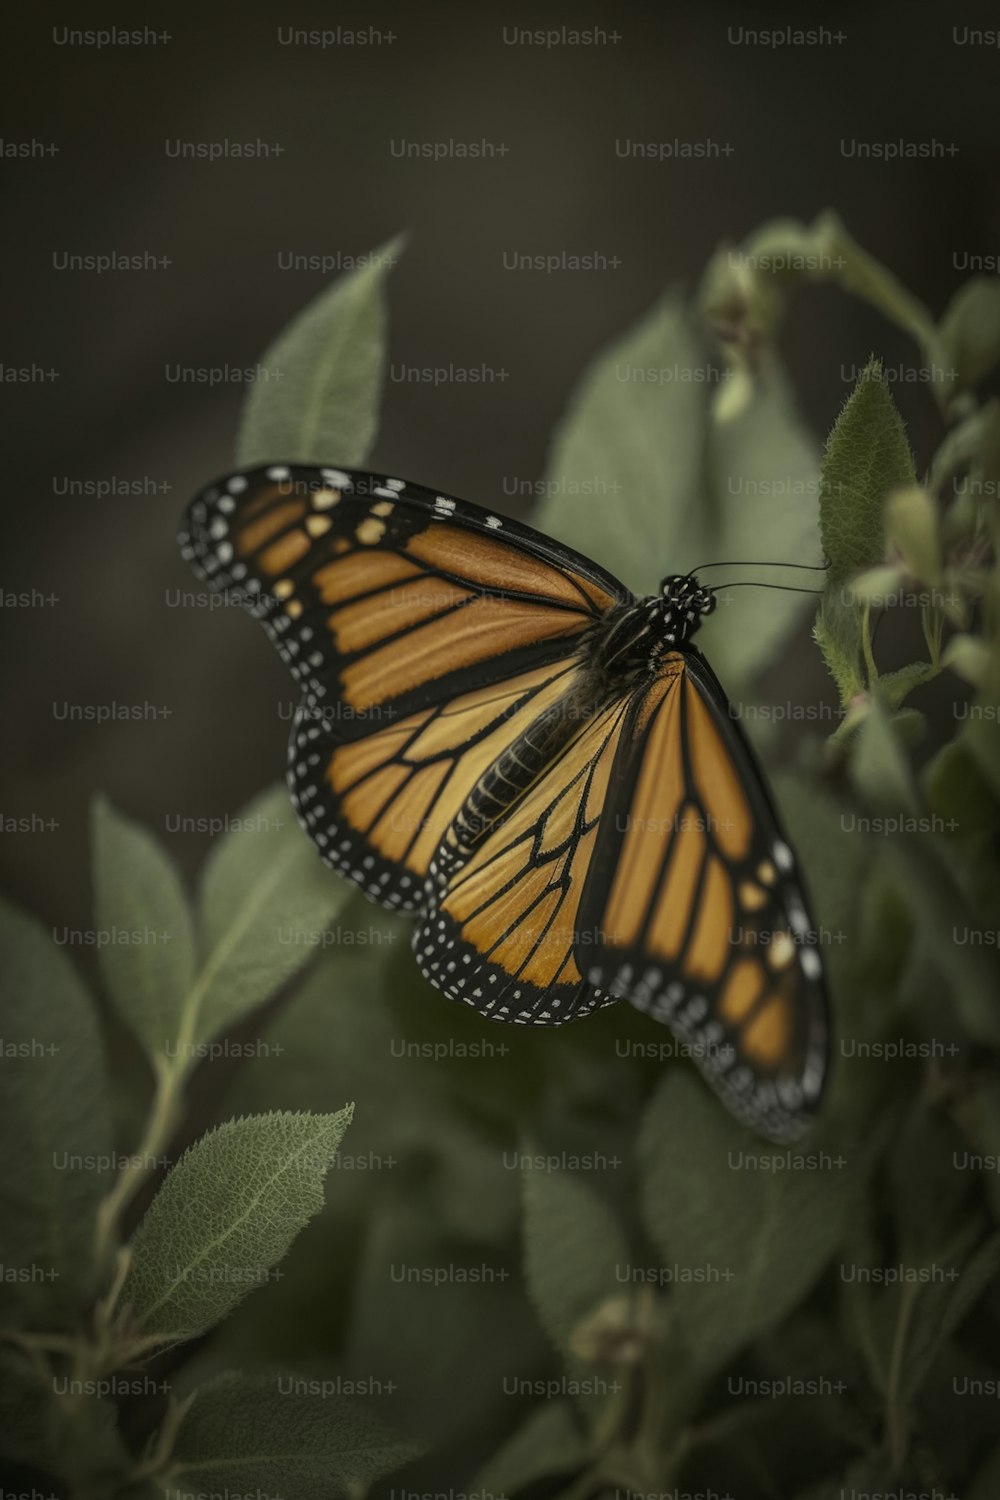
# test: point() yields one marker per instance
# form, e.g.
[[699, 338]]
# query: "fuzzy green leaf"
[[242, 1435], [148, 961], [752, 1241], [893, 687], [624, 481], [970, 330], [867, 457], [265, 895], [55, 1134], [225, 1215], [330, 358]]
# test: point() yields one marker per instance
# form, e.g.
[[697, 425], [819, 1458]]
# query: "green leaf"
[[265, 898], [148, 960], [867, 457], [752, 1239], [549, 1444], [225, 1215], [55, 1135], [575, 1253], [242, 1435], [330, 359], [879, 767], [624, 480], [970, 330]]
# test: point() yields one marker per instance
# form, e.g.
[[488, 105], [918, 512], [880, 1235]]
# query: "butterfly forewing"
[[384, 597]]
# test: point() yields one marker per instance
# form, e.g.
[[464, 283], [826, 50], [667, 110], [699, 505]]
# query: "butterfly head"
[[684, 603]]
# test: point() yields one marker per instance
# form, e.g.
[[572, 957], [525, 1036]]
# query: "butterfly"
[[497, 736]]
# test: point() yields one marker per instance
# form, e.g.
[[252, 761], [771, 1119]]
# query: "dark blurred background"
[[437, 73]]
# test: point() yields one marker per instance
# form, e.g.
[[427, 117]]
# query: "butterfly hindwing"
[[378, 807], [504, 930], [702, 916]]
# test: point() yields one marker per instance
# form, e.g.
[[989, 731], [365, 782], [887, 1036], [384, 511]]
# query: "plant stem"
[[866, 646], [896, 1416], [170, 1080]]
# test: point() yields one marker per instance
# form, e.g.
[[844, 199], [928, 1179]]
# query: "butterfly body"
[[498, 737]]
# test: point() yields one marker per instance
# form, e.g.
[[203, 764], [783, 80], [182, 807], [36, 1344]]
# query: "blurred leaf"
[[763, 476], [225, 1215], [825, 251], [942, 1307], [756, 1238], [968, 656], [956, 790], [986, 1483], [867, 457], [834, 861], [981, 731], [875, 586], [425, 1306], [243, 1436], [970, 330], [55, 1133], [879, 767], [265, 898], [929, 1199], [574, 1251], [868, 1476], [137, 891], [318, 400], [968, 970], [548, 1445], [25, 1409], [911, 526], [624, 479]]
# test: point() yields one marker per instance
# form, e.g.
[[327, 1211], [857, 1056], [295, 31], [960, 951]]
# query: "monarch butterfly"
[[495, 735]]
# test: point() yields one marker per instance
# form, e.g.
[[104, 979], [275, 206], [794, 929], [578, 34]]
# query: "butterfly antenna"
[[802, 567], [784, 588]]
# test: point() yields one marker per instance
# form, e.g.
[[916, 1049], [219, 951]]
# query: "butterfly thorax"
[[623, 650], [632, 641]]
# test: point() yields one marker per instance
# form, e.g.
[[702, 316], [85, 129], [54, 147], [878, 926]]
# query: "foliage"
[[550, 1264]]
